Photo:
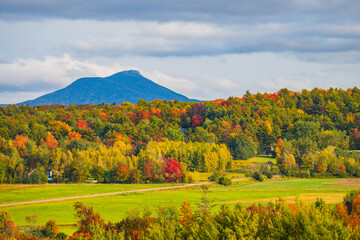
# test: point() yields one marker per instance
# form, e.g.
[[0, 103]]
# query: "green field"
[[23, 193], [113, 208], [258, 159]]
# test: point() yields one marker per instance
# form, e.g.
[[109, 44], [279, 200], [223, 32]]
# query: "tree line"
[[80, 142]]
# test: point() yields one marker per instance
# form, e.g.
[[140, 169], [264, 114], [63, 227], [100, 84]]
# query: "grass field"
[[258, 159], [22, 193], [113, 208]]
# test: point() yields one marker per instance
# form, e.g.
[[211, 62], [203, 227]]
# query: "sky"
[[202, 49]]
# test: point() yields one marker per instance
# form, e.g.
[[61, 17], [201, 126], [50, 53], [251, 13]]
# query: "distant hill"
[[126, 86]]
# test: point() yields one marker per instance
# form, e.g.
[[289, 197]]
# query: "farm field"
[[22, 193], [113, 208]]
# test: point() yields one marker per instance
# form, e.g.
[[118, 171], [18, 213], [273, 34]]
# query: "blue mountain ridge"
[[126, 86]]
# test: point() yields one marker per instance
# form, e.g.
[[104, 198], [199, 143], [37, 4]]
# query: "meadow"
[[113, 208], [23, 193]]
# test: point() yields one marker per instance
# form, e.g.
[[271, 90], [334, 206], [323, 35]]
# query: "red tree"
[[147, 171], [82, 124], [173, 170], [144, 114], [197, 120]]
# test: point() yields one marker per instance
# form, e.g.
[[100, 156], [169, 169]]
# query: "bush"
[[61, 236], [215, 177], [189, 177], [266, 170], [258, 176], [220, 178], [225, 180]]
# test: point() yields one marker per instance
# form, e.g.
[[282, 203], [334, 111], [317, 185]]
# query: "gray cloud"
[[188, 10], [90, 38]]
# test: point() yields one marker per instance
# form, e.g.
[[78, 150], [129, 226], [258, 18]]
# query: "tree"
[[74, 135], [82, 124], [51, 229], [122, 173], [242, 147], [174, 134], [355, 138], [8, 229], [173, 172], [87, 217], [284, 156], [51, 142]]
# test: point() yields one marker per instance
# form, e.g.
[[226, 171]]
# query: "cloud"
[[18, 96], [231, 11], [89, 39], [226, 84], [295, 85], [177, 84], [50, 73]]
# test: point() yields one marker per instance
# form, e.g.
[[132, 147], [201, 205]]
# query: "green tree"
[[242, 147]]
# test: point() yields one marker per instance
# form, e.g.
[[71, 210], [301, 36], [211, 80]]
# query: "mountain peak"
[[125, 86], [128, 73]]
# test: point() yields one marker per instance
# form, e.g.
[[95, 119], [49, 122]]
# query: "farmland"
[[113, 208]]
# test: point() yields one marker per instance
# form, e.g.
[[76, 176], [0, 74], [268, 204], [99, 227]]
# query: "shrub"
[[61, 236], [258, 176], [220, 178], [225, 180]]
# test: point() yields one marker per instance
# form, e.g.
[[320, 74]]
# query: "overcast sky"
[[202, 49]]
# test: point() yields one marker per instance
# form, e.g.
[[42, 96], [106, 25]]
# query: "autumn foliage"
[[276, 220], [74, 135], [51, 142], [317, 128], [82, 124], [173, 171]]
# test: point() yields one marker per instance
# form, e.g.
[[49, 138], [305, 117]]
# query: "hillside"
[[126, 86]]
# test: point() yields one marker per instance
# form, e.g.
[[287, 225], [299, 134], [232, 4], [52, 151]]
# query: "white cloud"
[[176, 84], [48, 74], [277, 84]]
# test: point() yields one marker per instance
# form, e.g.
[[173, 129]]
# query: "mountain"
[[126, 86]]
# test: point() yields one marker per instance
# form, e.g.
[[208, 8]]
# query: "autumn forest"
[[307, 134]]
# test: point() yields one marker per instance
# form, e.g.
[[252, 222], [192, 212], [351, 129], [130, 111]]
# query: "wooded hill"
[[311, 132]]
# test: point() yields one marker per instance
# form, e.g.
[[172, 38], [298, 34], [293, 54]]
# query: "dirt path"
[[105, 194]]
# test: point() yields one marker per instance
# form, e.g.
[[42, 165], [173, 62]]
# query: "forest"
[[311, 133], [277, 220]]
